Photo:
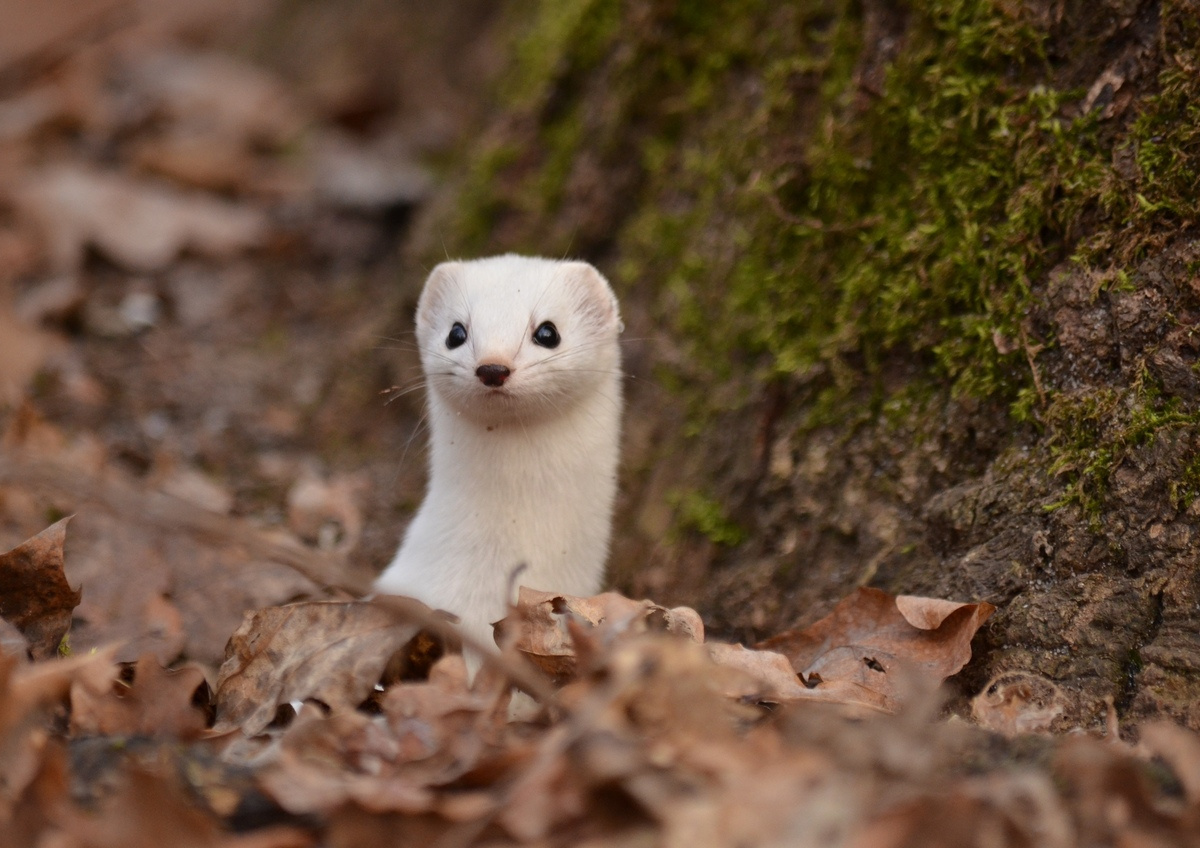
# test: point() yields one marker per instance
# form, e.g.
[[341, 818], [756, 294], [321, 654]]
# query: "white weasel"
[[523, 374]]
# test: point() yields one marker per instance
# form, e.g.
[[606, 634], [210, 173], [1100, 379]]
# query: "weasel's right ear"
[[440, 287]]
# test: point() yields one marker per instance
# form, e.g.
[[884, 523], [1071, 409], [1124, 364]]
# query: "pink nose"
[[492, 375]]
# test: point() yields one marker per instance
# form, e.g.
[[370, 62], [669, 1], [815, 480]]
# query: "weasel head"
[[517, 338]]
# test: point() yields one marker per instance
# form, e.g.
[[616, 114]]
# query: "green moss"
[[873, 228], [801, 228], [564, 36], [922, 221], [1184, 489], [1148, 206], [1092, 433], [705, 515]]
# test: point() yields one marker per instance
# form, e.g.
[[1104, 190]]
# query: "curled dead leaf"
[[148, 700], [1016, 702], [1180, 749], [875, 647], [548, 626]]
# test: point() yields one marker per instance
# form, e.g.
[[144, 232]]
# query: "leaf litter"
[[144, 182], [356, 722]]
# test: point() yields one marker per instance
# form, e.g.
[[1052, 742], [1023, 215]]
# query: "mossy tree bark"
[[913, 293]]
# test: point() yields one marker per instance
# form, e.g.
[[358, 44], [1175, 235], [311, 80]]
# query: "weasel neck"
[[521, 463]]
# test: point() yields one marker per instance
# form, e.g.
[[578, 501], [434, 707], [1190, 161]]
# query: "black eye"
[[458, 335], [546, 335]]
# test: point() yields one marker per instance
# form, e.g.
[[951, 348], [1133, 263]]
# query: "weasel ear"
[[438, 287], [596, 298]]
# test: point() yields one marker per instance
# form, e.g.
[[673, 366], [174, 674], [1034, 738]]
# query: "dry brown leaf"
[[24, 351], [156, 702], [1180, 749], [769, 678], [1021, 811], [51, 26], [324, 763], [137, 224], [353, 827], [1016, 702], [331, 651], [160, 575], [327, 512], [543, 621], [202, 160], [218, 94], [1113, 800], [13, 641], [34, 594], [429, 734], [29, 695], [874, 646], [147, 810], [38, 802], [358, 179]]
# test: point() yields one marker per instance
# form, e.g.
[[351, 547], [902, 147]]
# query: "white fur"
[[524, 474]]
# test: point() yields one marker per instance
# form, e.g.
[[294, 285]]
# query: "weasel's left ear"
[[438, 289], [595, 296]]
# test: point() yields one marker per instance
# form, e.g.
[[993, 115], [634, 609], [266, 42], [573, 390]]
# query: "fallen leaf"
[[33, 809], [138, 224], [30, 30], [1180, 749], [155, 702], [331, 651], [34, 594], [12, 640], [326, 512], [1022, 811], [874, 646], [203, 160], [147, 810], [161, 576], [1113, 799], [1016, 702], [29, 695], [325, 762], [24, 351], [541, 625], [360, 180], [219, 94], [769, 678]]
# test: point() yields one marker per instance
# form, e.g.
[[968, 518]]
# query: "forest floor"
[[203, 301]]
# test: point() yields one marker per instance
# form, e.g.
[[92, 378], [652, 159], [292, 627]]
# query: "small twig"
[[158, 509], [1030, 352]]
